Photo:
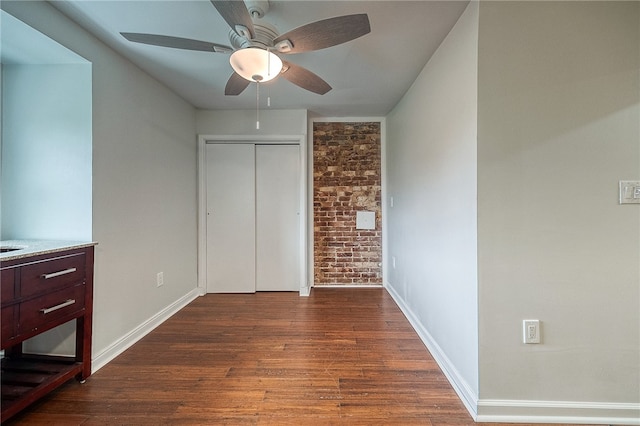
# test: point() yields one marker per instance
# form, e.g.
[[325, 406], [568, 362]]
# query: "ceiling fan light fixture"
[[255, 64]]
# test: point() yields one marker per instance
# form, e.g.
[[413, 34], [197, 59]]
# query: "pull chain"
[[269, 74], [257, 78], [257, 105], [268, 96]]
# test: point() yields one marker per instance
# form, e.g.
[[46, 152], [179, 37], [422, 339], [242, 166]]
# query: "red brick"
[[346, 178]]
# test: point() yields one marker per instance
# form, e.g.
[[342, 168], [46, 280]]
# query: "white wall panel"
[[231, 218], [278, 217]]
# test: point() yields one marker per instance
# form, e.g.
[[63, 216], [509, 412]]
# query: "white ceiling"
[[369, 75]]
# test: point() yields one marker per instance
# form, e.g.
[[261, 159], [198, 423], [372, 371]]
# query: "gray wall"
[[144, 186], [431, 175], [558, 127]]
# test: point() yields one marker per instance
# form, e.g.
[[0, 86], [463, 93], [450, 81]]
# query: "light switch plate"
[[365, 220], [630, 192]]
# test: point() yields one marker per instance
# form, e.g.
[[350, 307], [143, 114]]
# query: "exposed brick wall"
[[346, 179]]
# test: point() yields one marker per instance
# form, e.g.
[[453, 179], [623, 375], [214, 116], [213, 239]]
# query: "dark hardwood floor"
[[340, 356]]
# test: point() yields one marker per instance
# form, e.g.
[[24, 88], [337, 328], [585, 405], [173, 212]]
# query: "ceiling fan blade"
[[176, 42], [235, 13], [326, 33], [236, 85], [304, 78]]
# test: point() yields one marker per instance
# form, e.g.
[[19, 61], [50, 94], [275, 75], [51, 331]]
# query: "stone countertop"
[[28, 248]]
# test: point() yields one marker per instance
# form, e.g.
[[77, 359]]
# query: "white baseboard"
[[462, 388], [142, 330], [305, 291], [527, 411]]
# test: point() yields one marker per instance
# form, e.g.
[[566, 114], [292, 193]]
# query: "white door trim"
[[202, 199]]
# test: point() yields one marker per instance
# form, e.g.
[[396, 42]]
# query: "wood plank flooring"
[[340, 356]]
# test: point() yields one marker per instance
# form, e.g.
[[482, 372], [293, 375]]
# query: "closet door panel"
[[231, 218], [277, 218]]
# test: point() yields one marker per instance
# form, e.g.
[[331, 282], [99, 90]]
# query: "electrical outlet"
[[531, 331], [159, 279], [393, 262]]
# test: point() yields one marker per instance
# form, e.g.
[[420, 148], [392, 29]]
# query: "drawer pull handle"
[[69, 302], [57, 274]]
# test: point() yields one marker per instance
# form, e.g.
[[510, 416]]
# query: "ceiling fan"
[[256, 46]]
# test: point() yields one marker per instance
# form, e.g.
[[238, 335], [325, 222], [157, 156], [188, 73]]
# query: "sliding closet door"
[[277, 218], [230, 218]]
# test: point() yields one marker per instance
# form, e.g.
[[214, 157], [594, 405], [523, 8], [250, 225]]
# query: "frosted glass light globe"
[[255, 64]]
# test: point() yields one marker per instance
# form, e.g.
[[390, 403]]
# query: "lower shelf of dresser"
[[29, 377]]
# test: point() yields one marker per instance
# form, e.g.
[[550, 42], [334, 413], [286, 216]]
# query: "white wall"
[[46, 147], [243, 122], [144, 187], [558, 118], [431, 175]]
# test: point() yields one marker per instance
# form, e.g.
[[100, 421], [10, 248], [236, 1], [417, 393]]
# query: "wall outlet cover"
[[531, 331], [629, 192]]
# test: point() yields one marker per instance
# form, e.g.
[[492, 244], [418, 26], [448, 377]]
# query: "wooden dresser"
[[41, 291]]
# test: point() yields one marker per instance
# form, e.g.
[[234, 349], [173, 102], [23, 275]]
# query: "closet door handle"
[[69, 302], [57, 274]]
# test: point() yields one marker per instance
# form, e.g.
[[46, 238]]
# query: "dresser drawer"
[[7, 285], [49, 275], [51, 307]]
